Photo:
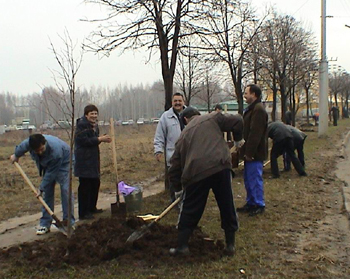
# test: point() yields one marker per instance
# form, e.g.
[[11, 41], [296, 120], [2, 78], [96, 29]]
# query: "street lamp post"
[[323, 79]]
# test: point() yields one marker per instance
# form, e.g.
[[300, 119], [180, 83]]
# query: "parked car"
[[125, 122], [154, 120], [140, 121], [131, 122]]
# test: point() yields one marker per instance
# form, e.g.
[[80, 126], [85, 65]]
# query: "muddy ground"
[[105, 239]]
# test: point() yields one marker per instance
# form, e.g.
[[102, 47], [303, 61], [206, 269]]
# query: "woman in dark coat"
[[87, 161]]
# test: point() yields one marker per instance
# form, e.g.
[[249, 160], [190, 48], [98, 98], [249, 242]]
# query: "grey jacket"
[[167, 133]]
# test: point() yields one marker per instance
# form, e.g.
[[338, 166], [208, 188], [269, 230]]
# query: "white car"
[[140, 121]]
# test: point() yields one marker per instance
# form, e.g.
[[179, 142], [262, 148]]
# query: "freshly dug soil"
[[105, 239]]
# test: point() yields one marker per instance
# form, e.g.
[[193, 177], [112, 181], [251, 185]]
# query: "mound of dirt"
[[105, 239]]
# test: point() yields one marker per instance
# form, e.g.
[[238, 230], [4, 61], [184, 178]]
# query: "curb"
[[345, 189]]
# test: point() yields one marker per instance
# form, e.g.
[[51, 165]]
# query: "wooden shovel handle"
[[114, 152], [40, 198], [167, 209]]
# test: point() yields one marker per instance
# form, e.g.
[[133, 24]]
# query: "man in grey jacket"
[[202, 161], [168, 131], [51, 156]]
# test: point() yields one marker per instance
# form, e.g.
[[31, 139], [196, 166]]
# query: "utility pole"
[[323, 77]]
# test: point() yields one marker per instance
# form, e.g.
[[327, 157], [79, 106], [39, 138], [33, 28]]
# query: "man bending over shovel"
[[202, 161], [51, 156]]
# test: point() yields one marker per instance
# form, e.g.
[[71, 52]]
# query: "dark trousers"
[[195, 198], [87, 195], [299, 146], [281, 147], [171, 188]]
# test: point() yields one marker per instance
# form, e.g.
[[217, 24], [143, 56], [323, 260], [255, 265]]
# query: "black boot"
[[182, 239], [230, 243]]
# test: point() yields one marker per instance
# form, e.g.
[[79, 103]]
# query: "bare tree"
[[154, 25], [227, 29], [189, 72], [65, 80], [210, 89], [284, 54]]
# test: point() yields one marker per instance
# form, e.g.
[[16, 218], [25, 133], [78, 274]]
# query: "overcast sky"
[[27, 26]]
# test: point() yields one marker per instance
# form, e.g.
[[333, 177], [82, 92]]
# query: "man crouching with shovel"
[[51, 156], [202, 161]]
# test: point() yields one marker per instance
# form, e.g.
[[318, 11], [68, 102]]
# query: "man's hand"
[[178, 194], [105, 138], [230, 144], [39, 193], [159, 156], [240, 143], [13, 158], [247, 158]]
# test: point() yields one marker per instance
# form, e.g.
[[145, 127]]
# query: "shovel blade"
[[136, 235], [58, 224], [118, 209]]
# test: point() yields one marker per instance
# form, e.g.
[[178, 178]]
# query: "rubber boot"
[[182, 239], [230, 243]]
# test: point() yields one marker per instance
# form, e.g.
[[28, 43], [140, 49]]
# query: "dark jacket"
[[279, 131], [86, 150], [201, 150], [254, 133], [298, 136]]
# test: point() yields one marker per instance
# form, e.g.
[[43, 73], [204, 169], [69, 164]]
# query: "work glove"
[[178, 194], [240, 143]]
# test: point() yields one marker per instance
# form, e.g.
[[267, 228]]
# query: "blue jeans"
[[62, 178], [253, 182]]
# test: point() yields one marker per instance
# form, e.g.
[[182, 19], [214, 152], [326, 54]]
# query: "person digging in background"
[[282, 143], [51, 156], [299, 138], [87, 161], [202, 161], [254, 151], [168, 131]]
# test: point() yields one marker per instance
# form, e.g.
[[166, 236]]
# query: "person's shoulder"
[[82, 122], [169, 113], [259, 106]]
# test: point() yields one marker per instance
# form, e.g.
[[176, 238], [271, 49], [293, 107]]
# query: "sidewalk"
[[23, 229], [343, 172]]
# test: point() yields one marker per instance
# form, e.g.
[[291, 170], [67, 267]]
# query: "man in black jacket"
[[282, 143], [298, 140], [87, 161]]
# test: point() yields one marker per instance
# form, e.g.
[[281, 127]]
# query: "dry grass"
[[135, 158]]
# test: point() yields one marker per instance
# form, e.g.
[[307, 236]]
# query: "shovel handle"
[[167, 209], [40, 198], [114, 154]]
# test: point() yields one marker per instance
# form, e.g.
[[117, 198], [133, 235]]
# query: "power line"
[[301, 7]]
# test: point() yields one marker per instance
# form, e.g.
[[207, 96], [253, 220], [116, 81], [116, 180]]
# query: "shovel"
[[58, 222], [144, 229], [117, 208]]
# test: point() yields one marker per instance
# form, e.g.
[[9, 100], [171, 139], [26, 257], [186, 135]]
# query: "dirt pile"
[[105, 239]]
